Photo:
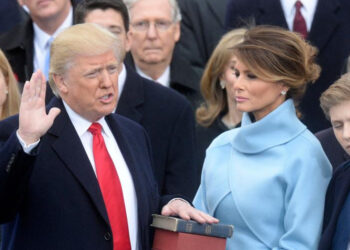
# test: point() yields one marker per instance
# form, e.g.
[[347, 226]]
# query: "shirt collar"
[[82, 125], [309, 5], [289, 5], [121, 80], [164, 79], [42, 37]]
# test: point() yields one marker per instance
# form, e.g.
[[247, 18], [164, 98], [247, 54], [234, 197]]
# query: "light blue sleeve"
[[199, 200], [308, 177]]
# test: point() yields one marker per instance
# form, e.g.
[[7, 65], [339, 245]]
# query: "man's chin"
[[106, 110], [152, 60]]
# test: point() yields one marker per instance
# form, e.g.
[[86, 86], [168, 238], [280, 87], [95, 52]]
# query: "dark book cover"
[[175, 224]]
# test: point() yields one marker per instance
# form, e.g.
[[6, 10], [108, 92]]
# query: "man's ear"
[[60, 84], [177, 32], [21, 2], [127, 42]]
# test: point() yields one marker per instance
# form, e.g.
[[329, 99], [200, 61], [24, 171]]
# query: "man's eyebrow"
[[115, 26], [336, 120]]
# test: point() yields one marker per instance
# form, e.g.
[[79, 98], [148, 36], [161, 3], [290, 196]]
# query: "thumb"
[[166, 211], [53, 113]]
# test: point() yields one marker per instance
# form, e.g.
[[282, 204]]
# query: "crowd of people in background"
[[229, 111]]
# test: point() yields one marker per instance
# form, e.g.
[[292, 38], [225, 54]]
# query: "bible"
[[172, 233]]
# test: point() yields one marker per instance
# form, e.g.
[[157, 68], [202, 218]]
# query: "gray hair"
[[175, 10], [85, 39]]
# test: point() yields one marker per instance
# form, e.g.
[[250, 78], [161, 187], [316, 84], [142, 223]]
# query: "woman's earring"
[[6, 91], [283, 92], [222, 84]]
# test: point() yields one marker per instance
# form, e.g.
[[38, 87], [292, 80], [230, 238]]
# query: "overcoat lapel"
[[123, 145], [218, 10], [132, 97], [139, 177], [70, 151], [325, 22], [129, 157], [271, 13]]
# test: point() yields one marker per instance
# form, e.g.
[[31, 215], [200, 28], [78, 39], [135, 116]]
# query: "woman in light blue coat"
[[269, 177]]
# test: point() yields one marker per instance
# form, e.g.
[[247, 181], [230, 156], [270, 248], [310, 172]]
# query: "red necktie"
[[299, 24], [111, 190]]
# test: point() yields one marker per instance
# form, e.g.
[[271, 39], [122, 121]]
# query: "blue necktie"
[[47, 58]]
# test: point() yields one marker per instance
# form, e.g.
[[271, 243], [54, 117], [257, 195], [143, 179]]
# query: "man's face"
[[340, 119], [43, 9], [153, 33], [111, 20], [90, 86]]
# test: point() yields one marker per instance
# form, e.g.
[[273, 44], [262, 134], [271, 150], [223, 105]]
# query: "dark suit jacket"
[[169, 121], [337, 192], [202, 25], [330, 33], [11, 14], [51, 199], [18, 46], [183, 78], [334, 151]]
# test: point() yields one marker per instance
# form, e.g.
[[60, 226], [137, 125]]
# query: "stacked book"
[[173, 233]]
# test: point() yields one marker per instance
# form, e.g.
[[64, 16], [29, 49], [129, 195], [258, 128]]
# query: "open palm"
[[33, 119]]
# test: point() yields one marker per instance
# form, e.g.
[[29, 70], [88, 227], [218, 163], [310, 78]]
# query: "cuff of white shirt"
[[27, 148], [180, 200]]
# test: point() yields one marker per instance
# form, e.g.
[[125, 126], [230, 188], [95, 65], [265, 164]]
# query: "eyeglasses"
[[143, 26]]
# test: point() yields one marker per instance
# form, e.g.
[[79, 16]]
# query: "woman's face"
[[229, 77], [3, 89], [255, 95]]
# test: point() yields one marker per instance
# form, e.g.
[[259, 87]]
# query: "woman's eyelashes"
[[248, 74], [251, 76]]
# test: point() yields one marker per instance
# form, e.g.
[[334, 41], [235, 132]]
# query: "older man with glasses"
[[154, 31]]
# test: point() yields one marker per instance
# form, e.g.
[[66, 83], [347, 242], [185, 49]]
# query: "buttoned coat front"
[[269, 179]]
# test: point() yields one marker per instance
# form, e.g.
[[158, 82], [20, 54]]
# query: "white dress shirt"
[[164, 79], [81, 125], [307, 10], [41, 38], [121, 80]]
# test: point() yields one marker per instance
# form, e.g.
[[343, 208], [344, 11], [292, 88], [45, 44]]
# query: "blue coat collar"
[[278, 127]]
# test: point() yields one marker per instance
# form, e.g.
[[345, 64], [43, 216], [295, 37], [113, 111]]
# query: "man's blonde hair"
[[85, 39]]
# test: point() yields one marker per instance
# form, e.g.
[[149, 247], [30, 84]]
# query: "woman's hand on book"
[[181, 208]]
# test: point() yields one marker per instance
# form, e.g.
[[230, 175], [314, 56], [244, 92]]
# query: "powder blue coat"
[[268, 179]]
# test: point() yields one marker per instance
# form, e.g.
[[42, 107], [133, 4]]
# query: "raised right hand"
[[33, 120]]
